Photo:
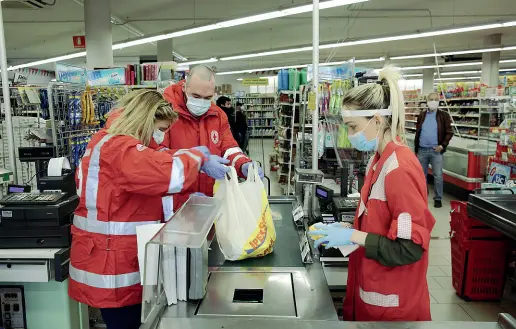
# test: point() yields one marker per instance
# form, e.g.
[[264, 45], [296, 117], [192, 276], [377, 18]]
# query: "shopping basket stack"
[[478, 256]]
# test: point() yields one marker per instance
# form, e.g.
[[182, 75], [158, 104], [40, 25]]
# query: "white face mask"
[[158, 136], [433, 105], [197, 106]]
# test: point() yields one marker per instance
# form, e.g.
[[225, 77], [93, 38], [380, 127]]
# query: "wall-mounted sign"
[[79, 41], [255, 82], [71, 74], [106, 77]]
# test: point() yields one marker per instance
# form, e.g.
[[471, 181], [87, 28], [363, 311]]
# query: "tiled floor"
[[445, 304]]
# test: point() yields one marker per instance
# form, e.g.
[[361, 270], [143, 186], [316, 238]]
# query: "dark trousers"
[[127, 317]]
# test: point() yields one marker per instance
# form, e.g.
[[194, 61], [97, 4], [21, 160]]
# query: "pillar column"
[[99, 40], [165, 50], [428, 77], [491, 61]]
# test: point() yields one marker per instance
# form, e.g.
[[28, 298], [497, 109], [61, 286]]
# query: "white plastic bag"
[[245, 228]]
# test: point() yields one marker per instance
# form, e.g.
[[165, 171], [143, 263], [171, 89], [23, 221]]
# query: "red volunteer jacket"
[[211, 130], [393, 204], [120, 184]]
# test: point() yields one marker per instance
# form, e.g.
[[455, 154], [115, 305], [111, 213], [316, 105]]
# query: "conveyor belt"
[[286, 250], [496, 210]]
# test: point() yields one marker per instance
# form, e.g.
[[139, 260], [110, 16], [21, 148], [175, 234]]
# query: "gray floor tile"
[[445, 282], [435, 271], [446, 296], [448, 312], [446, 269], [485, 312], [433, 284]]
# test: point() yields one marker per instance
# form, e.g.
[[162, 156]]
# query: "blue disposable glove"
[[204, 150], [332, 235], [245, 169], [215, 167], [197, 194]]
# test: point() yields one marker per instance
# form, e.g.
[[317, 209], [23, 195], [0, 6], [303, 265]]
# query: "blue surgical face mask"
[[359, 141], [197, 106]]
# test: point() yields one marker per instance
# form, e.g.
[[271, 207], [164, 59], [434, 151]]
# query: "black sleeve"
[[392, 253]]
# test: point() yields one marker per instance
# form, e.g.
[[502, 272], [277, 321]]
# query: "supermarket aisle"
[[257, 153], [442, 215]]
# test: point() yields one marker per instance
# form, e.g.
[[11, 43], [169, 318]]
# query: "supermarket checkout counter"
[[278, 290], [464, 162], [496, 210]]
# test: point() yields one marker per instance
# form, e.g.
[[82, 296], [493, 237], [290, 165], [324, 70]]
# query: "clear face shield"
[[355, 130]]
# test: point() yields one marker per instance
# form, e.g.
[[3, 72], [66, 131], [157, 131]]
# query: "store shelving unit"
[[472, 117], [260, 114]]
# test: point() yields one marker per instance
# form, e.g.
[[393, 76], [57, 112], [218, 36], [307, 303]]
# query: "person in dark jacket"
[[225, 104], [241, 126], [433, 134]]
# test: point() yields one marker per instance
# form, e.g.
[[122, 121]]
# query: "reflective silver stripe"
[[168, 206], [377, 299], [92, 180], [231, 151], [79, 176], [405, 226], [235, 159], [177, 177], [190, 154], [108, 228], [180, 151], [163, 149], [104, 281]]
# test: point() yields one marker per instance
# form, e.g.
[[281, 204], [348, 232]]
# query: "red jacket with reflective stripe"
[[211, 130], [393, 203], [120, 184]]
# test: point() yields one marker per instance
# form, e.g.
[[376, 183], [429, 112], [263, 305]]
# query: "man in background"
[[241, 127], [433, 134], [225, 104]]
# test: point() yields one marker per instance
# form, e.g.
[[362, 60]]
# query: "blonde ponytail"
[[384, 94]]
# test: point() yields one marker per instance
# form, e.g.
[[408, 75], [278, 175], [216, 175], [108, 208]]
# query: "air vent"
[[22, 4]]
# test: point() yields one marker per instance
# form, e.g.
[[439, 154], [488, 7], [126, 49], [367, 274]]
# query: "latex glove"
[[245, 169], [204, 150], [332, 236], [215, 167], [197, 194]]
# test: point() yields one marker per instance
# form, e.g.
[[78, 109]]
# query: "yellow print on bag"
[[262, 240]]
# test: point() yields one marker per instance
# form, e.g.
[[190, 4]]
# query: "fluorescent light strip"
[[380, 59], [412, 75], [46, 61], [459, 72], [377, 40], [202, 61], [464, 78], [224, 24]]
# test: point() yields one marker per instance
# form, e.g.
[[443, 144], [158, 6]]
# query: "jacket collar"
[[176, 97]]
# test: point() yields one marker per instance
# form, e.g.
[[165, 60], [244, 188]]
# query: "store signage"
[[106, 77], [255, 82], [70, 74], [20, 79], [311, 101], [79, 41], [343, 71]]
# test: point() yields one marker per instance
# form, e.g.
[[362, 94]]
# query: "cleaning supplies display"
[[291, 79]]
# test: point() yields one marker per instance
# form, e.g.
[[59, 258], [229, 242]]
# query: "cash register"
[[39, 220]]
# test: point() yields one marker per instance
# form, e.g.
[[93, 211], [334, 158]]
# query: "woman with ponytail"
[[387, 273]]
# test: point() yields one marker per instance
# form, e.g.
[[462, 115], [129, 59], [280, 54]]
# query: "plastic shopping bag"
[[245, 228]]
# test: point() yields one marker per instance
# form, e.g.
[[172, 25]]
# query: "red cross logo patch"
[[214, 136]]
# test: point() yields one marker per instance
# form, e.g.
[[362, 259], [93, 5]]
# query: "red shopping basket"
[[466, 227], [478, 268]]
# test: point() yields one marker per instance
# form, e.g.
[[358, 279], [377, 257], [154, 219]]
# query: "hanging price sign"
[[311, 101]]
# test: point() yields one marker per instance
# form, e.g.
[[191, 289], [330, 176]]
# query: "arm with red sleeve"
[[146, 171], [229, 147], [412, 222]]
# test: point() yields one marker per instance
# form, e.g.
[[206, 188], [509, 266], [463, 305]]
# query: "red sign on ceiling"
[[79, 41]]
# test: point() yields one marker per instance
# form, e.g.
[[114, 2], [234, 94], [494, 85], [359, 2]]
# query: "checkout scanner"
[[40, 220]]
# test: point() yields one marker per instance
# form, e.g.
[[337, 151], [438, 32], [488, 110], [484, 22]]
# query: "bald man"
[[201, 123]]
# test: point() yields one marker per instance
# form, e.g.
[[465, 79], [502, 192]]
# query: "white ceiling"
[[39, 34]]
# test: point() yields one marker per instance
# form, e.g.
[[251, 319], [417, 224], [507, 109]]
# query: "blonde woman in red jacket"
[[122, 183]]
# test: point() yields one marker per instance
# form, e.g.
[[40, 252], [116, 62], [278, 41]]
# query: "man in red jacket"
[[201, 123]]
